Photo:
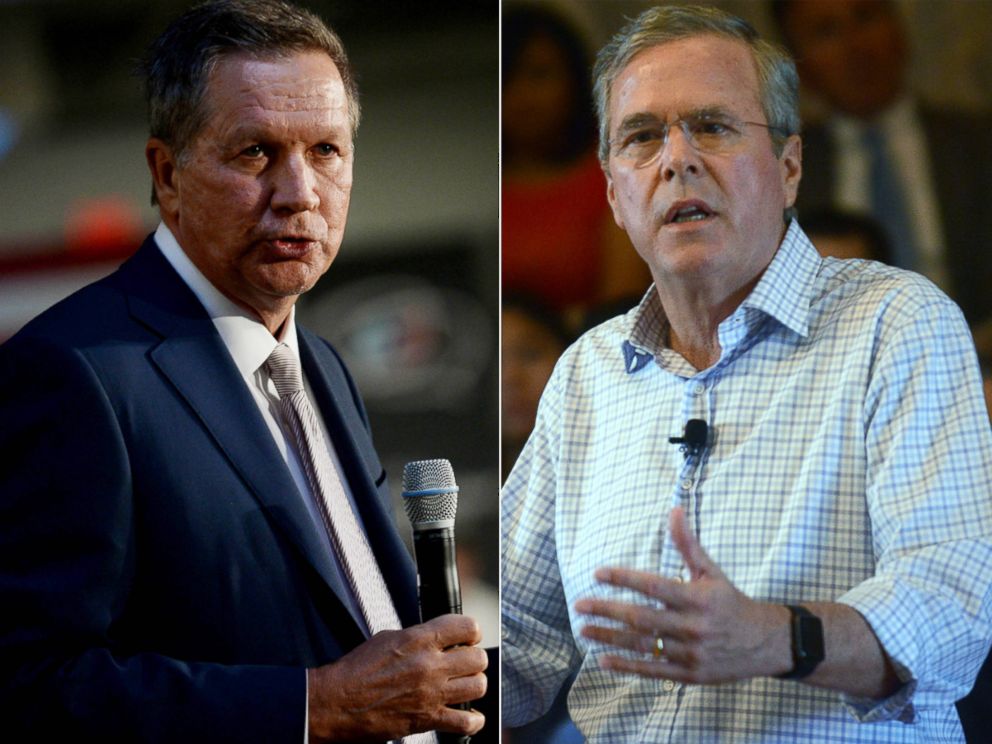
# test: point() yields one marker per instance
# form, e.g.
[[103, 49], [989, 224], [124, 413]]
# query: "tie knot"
[[285, 371]]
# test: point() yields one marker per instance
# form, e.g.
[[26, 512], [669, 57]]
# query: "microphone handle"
[[440, 593]]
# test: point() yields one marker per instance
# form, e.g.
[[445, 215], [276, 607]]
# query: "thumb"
[[696, 559]]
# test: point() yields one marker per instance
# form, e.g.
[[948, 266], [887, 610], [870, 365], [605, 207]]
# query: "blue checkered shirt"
[[851, 461]]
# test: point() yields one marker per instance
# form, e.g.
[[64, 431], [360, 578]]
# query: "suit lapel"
[[193, 358]]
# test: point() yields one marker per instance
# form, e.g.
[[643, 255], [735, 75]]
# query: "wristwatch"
[[807, 642]]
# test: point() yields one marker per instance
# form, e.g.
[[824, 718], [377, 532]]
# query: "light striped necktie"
[[349, 541]]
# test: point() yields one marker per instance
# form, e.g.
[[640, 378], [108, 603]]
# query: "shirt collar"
[[245, 336], [784, 293], [785, 290]]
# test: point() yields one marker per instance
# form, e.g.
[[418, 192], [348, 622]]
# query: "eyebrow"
[[639, 120], [251, 133]]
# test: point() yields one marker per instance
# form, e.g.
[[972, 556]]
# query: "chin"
[[288, 278]]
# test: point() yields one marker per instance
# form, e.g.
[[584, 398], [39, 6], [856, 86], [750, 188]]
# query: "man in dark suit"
[[169, 570], [853, 55]]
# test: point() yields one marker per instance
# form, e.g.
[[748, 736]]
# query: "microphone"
[[430, 498], [694, 438]]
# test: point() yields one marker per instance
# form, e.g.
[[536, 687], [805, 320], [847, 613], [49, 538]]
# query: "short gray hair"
[[179, 62], [777, 77]]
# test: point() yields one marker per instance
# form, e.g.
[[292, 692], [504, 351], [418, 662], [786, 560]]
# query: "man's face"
[[851, 52], [735, 198], [260, 199]]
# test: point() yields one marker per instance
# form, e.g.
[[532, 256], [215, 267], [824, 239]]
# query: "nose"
[[294, 186], [678, 157]]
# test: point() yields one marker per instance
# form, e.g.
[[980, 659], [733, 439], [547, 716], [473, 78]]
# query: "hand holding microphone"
[[412, 680]]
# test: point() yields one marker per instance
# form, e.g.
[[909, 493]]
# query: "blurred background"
[[412, 299]]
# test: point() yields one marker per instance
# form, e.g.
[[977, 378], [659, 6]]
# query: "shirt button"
[[686, 484], [678, 579], [698, 389], [668, 685]]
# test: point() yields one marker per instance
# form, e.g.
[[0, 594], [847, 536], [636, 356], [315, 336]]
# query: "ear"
[[611, 197], [165, 175], [791, 163]]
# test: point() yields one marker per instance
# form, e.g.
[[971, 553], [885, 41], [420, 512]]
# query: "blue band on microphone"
[[430, 492]]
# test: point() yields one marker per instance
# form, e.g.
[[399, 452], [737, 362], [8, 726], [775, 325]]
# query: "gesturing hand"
[[709, 631], [401, 682]]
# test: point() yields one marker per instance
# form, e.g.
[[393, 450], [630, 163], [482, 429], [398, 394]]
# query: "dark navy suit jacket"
[[960, 149], [160, 577]]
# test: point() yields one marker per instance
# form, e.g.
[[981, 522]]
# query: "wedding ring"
[[659, 647]]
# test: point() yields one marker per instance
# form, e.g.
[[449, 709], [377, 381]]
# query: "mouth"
[[693, 210], [291, 246]]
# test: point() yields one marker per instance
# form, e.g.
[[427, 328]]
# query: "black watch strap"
[[807, 642]]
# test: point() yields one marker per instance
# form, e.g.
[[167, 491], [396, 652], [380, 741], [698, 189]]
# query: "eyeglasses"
[[715, 134]]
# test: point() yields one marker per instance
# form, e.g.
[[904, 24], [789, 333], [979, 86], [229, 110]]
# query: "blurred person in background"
[[842, 234], [559, 242], [196, 539], [533, 338], [924, 172]]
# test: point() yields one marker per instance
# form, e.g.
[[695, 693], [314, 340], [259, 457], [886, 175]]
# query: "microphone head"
[[430, 495], [696, 433]]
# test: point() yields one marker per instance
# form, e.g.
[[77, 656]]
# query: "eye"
[[253, 151], [711, 128], [642, 137], [325, 149]]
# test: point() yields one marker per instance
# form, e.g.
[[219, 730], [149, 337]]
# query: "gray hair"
[[179, 62], [777, 77]]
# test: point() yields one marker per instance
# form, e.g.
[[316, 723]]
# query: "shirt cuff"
[[897, 707], [873, 600]]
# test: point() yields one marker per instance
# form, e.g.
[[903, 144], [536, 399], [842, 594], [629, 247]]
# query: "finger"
[[455, 721], [463, 661], [628, 639], [657, 668], [454, 630], [696, 559], [639, 617], [669, 591], [465, 689]]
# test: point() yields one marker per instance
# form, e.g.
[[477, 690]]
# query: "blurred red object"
[[103, 226]]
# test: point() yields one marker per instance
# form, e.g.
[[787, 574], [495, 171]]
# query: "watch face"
[[809, 639], [807, 642]]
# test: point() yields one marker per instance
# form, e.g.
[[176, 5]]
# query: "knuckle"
[[481, 659], [479, 686]]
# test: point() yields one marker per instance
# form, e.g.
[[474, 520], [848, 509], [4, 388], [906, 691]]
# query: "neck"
[[694, 319], [274, 315], [275, 319]]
